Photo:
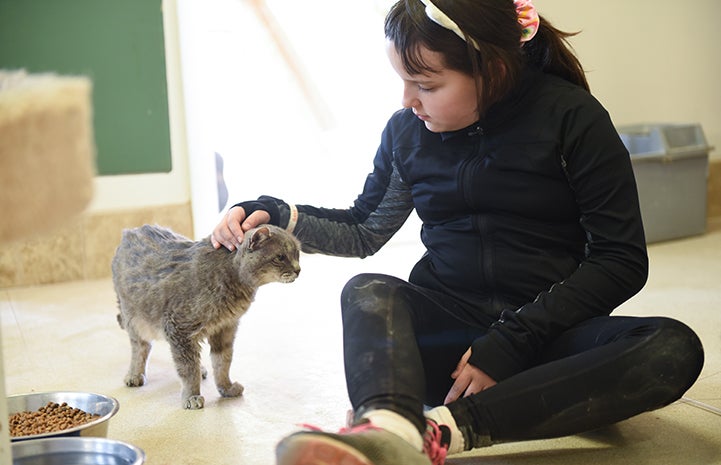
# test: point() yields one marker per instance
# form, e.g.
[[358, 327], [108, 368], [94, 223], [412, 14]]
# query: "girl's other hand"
[[469, 380]]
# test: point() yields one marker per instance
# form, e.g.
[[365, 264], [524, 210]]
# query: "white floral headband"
[[527, 17]]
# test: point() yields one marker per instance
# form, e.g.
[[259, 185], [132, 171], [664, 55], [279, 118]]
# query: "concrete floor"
[[288, 356]]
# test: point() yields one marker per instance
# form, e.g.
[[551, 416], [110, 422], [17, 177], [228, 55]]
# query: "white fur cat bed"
[[46, 151]]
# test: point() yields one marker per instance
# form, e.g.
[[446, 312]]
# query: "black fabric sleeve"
[[376, 215], [359, 231], [266, 203]]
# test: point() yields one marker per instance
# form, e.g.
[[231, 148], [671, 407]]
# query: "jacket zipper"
[[480, 222]]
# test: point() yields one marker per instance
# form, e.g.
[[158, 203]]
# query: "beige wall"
[[649, 60]]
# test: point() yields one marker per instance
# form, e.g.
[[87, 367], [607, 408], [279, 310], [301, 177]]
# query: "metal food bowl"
[[96, 404], [64, 451]]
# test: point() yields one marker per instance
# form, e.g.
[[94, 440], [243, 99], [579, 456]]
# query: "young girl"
[[533, 236]]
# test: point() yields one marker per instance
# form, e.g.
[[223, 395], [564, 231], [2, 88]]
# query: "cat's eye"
[[281, 258]]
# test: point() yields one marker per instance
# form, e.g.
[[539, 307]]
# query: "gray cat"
[[186, 291]]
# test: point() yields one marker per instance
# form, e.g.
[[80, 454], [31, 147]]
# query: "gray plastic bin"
[[670, 162]]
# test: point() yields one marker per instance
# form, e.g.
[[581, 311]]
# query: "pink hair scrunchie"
[[527, 18]]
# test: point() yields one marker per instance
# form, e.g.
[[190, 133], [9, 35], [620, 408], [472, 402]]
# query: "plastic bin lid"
[[664, 139]]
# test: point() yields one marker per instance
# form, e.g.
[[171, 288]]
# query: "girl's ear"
[[259, 236]]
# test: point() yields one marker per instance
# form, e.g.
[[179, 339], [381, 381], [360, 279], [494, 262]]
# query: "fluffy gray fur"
[[186, 291]]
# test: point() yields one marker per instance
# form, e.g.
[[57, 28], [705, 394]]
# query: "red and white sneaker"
[[362, 444]]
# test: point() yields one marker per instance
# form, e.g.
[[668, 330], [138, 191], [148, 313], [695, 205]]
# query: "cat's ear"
[[259, 236]]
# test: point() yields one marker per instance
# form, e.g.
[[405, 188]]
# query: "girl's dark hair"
[[493, 26]]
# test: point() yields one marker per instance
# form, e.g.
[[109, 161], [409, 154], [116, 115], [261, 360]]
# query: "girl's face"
[[445, 100]]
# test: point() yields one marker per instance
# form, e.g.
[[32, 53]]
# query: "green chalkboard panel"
[[119, 44]]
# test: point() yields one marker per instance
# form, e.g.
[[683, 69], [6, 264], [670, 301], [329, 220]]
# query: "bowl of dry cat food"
[[41, 415], [76, 450]]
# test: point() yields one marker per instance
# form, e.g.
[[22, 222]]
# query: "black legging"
[[401, 343]]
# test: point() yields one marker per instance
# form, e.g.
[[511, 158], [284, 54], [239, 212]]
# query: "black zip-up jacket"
[[530, 217]]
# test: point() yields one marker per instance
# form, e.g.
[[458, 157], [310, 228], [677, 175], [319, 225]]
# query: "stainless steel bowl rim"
[[97, 421], [82, 445]]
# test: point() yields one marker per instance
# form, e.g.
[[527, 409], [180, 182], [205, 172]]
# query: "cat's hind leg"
[[139, 351], [221, 355]]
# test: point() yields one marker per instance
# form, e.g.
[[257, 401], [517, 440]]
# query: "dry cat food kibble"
[[51, 418]]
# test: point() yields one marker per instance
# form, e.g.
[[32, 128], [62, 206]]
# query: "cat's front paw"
[[234, 390], [194, 402], [135, 380]]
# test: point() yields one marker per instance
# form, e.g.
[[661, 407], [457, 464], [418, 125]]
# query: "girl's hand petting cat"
[[469, 380], [231, 229]]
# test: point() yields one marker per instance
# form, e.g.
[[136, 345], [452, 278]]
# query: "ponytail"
[[551, 52]]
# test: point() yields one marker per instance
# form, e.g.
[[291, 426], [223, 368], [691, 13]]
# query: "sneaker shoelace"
[[359, 428], [434, 445]]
